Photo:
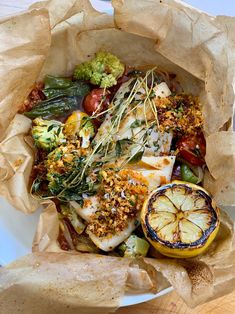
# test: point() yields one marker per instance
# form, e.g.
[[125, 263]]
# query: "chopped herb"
[[137, 222], [52, 126], [152, 94], [137, 157], [137, 123], [118, 149], [156, 145], [121, 146]]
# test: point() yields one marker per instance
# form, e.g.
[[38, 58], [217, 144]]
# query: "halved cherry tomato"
[[96, 101], [193, 149]]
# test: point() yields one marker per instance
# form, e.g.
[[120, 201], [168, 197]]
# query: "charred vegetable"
[[56, 107], [80, 124], [96, 101], [63, 96], [57, 82], [57, 86], [74, 122], [193, 149]]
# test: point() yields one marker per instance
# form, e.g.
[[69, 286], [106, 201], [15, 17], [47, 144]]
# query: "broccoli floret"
[[86, 132], [103, 70], [47, 134]]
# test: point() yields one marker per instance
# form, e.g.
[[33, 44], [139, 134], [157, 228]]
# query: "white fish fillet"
[[156, 169], [109, 243], [87, 210]]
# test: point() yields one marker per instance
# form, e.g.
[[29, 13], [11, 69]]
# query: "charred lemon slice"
[[180, 219]]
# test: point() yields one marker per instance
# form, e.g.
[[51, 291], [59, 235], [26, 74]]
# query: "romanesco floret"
[[96, 78], [47, 134], [108, 81], [103, 70], [84, 72]]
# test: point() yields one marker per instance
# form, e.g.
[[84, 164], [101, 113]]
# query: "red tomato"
[[92, 101], [193, 149]]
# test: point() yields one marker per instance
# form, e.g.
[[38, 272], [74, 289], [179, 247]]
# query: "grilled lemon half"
[[180, 219]]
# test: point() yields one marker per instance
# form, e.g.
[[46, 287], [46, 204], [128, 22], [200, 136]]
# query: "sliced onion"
[[67, 235], [198, 171]]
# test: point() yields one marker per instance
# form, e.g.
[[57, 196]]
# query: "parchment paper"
[[197, 47], [196, 280]]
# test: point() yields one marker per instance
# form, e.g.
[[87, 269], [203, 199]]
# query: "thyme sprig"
[[103, 150]]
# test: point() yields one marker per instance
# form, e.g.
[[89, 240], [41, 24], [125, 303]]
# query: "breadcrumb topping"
[[121, 199], [180, 113]]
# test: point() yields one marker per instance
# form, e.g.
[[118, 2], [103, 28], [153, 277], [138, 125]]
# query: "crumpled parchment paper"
[[197, 47]]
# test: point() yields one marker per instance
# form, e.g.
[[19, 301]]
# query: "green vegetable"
[[57, 82], [103, 70], [63, 97], [187, 174], [122, 146], [77, 88], [134, 246], [70, 213], [137, 123], [47, 134], [118, 149], [137, 157], [65, 166], [86, 132], [56, 107]]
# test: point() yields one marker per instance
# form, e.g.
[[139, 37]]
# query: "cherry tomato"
[[95, 99], [193, 149]]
